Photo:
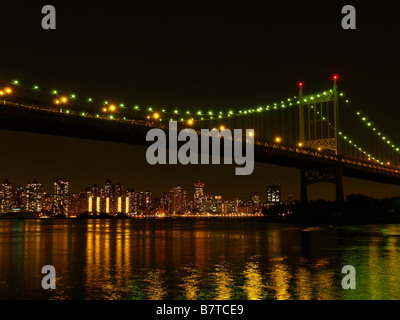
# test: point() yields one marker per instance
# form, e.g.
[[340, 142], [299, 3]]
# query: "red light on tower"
[[300, 84], [335, 77]]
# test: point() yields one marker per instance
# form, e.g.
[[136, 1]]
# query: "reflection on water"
[[190, 283], [223, 282], [196, 259], [254, 283], [280, 277]]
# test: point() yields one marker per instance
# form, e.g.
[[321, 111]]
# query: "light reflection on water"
[[196, 259]]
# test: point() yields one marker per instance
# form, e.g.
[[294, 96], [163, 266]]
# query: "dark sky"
[[193, 55]]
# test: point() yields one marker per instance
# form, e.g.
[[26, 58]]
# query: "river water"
[[196, 259]]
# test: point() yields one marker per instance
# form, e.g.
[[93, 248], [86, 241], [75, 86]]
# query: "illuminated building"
[[144, 200], [199, 195], [273, 193], [217, 205], [132, 201], [78, 202], [60, 204], [6, 196], [108, 197], [255, 200], [96, 193], [119, 204], [34, 196], [177, 200], [47, 203], [19, 199]]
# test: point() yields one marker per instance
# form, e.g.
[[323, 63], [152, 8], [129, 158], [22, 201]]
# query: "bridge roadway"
[[55, 121]]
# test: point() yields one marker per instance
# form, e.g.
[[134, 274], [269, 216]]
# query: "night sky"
[[193, 56]]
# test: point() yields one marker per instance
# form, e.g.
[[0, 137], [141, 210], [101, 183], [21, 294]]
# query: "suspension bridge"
[[322, 134]]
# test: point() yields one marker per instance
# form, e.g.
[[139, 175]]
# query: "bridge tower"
[[319, 129], [319, 119]]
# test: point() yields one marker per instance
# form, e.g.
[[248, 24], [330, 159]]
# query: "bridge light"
[[1, 93], [104, 109], [57, 101], [7, 90], [15, 82], [319, 149], [156, 115], [251, 133], [190, 122], [89, 99], [221, 128], [73, 96], [35, 87], [54, 92], [300, 144], [63, 99], [278, 139], [112, 108]]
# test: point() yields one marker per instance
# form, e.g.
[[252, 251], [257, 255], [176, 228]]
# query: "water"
[[196, 259]]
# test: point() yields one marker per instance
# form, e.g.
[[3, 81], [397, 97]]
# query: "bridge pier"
[[310, 176]]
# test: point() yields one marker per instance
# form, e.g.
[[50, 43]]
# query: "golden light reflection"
[[303, 284], [190, 283], [224, 282], [253, 285], [155, 289], [280, 277], [324, 280]]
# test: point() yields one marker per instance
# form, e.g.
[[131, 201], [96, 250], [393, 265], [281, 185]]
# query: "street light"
[[6, 92]]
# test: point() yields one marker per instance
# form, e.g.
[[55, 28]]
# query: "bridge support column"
[[321, 174]]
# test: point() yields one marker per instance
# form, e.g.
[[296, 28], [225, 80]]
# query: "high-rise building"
[[273, 193], [80, 203], [34, 196], [19, 199], [144, 200], [119, 203], [6, 197], [47, 204], [198, 195], [177, 200], [255, 200], [60, 203], [217, 205]]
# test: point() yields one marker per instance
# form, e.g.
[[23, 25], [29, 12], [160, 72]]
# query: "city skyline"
[[116, 198]]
